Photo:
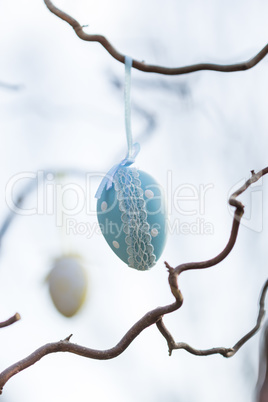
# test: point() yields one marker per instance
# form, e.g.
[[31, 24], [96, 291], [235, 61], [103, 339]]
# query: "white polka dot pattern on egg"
[[116, 244], [149, 194], [104, 206], [154, 232]]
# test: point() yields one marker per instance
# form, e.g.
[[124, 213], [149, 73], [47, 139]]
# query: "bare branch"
[[261, 315], [155, 316], [65, 346], [245, 65], [226, 352], [16, 317], [239, 211], [262, 382]]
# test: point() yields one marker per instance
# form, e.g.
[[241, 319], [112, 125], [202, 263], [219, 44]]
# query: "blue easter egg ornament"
[[132, 217]]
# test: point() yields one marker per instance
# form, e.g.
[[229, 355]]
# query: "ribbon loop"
[[107, 180], [133, 149]]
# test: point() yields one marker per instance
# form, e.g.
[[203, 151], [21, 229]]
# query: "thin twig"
[[245, 65], [262, 382], [16, 317], [226, 352], [239, 211]]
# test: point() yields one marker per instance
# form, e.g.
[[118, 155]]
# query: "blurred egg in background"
[[68, 284]]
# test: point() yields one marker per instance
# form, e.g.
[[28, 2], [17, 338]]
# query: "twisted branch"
[[226, 352], [16, 317], [65, 346], [239, 211], [262, 382], [155, 316], [147, 68]]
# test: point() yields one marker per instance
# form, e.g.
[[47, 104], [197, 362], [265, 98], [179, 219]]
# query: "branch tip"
[[16, 317], [68, 338], [169, 268]]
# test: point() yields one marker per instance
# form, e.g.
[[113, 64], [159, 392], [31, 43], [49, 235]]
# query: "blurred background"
[[62, 110]]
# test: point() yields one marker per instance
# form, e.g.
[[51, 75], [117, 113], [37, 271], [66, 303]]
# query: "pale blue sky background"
[[210, 129]]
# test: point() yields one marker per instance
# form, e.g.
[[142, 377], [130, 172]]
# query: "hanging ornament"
[[68, 284], [131, 205]]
